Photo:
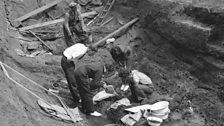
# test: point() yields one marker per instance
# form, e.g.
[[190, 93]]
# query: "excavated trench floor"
[[176, 79]]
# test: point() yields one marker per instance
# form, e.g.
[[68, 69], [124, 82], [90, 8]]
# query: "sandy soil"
[[174, 75]]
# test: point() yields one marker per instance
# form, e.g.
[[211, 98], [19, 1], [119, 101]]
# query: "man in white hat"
[[71, 55], [75, 31]]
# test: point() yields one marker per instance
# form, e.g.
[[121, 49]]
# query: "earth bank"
[[177, 43]]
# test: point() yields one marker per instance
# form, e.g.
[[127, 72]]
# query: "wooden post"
[[34, 12], [117, 31]]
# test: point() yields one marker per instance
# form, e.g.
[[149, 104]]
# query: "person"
[[122, 54], [71, 55], [140, 84], [88, 78], [74, 28]]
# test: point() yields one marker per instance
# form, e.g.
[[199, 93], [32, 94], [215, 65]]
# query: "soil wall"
[[181, 48], [174, 43]]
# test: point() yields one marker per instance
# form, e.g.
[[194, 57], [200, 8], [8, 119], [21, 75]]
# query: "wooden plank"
[[34, 12], [53, 22], [91, 13], [41, 40], [117, 31], [41, 24], [107, 21]]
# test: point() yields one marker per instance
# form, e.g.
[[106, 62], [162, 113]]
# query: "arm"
[[113, 52], [66, 19], [129, 56], [95, 83], [136, 79], [81, 20]]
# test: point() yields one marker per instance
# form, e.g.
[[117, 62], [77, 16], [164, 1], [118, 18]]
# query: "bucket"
[[154, 121]]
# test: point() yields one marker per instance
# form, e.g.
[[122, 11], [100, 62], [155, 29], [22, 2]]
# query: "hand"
[[70, 34], [109, 89], [103, 83]]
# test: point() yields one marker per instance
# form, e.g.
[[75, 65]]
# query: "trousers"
[[139, 91], [69, 69], [83, 83]]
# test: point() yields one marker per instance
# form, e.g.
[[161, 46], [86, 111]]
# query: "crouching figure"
[[140, 84]]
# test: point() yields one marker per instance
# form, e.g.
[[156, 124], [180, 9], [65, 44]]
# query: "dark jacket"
[[93, 71]]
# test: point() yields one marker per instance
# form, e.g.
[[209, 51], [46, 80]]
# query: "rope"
[[61, 102], [29, 79], [6, 73]]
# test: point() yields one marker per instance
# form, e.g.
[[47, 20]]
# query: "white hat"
[[75, 51], [72, 4], [110, 40]]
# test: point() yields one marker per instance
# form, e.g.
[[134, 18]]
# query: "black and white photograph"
[[112, 62]]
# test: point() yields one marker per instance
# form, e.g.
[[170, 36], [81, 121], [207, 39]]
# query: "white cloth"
[[75, 51], [102, 95], [138, 108], [124, 87], [140, 77], [59, 111], [123, 101]]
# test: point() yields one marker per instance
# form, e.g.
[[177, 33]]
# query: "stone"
[[32, 45]]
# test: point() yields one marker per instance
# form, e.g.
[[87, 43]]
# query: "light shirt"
[[75, 51], [140, 77]]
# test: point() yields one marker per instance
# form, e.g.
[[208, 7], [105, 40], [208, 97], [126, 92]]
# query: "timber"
[[41, 40], [41, 9], [41, 24], [107, 21], [117, 31], [54, 21]]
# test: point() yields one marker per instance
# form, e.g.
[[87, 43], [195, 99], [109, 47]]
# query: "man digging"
[[88, 78]]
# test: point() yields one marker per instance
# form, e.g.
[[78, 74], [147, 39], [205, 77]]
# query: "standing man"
[[140, 84], [88, 78], [74, 28], [71, 54]]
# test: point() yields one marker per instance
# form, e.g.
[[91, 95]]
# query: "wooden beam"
[[41, 24], [41, 40], [34, 12], [107, 21], [117, 31], [87, 14], [54, 21]]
